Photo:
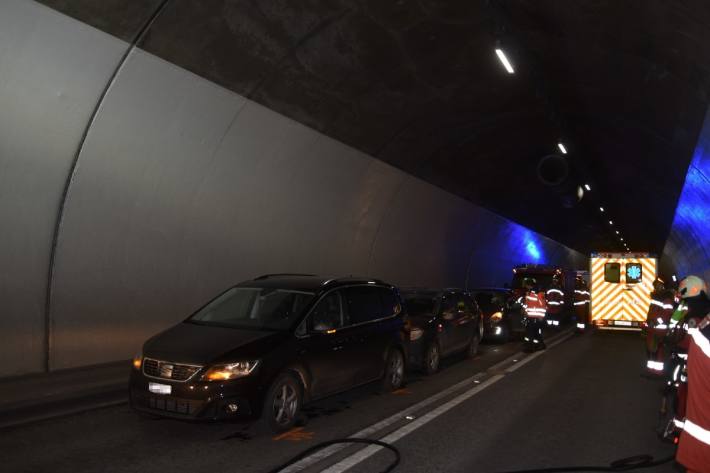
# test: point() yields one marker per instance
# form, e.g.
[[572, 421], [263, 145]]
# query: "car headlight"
[[415, 334], [230, 371], [497, 317], [138, 361]]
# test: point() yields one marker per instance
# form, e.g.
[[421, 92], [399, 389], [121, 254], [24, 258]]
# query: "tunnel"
[[159, 156]]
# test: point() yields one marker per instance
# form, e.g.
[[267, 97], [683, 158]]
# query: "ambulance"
[[621, 289]]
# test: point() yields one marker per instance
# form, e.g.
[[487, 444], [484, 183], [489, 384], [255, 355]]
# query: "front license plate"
[[158, 388]]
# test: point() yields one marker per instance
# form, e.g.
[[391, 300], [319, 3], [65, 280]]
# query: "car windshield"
[[421, 304], [255, 308]]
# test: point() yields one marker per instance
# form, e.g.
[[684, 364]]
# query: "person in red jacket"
[[694, 445], [693, 307], [534, 309], [657, 321]]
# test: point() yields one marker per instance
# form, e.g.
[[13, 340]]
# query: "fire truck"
[[621, 289]]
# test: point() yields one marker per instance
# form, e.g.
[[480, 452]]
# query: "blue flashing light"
[[689, 240]]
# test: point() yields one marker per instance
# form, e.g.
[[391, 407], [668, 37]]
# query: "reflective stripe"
[[674, 323], [555, 303], [556, 291], [656, 303], [700, 340], [581, 302], [675, 373], [678, 423], [661, 326], [696, 431], [683, 356], [584, 293], [654, 365], [668, 306], [659, 320], [555, 322]]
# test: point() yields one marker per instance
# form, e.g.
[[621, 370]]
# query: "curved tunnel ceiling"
[[416, 84]]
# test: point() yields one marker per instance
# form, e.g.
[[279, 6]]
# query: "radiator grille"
[[169, 370]]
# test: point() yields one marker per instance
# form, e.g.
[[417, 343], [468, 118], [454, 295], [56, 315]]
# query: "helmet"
[[659, 285], [529, 283], [691, 286]]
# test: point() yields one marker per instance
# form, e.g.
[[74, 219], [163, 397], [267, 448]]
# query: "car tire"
[[282, 404], [432, 358], [394, 371], [472, 349]]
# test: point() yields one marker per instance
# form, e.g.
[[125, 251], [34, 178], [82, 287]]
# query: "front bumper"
[[197, 400]]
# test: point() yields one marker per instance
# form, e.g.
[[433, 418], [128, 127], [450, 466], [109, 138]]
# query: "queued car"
[[502, 316], [442, 322], [267, 346]]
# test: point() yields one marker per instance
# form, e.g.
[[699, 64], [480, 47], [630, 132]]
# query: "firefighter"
[[534, 308], [555, 298], [694, 445], [657, 321], [693, 307], [581, 302]]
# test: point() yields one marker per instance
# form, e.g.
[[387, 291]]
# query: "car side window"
[[390, 302], [327, 314], [452, 303], [363, 304], [471, 305]]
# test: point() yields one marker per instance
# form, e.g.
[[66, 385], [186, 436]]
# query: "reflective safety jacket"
[[555, 300], [694, 446], [659, 313], [534, 305], [581, 300]]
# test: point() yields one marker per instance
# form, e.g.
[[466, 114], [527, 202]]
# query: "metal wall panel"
[[184, 188], [52, 71]]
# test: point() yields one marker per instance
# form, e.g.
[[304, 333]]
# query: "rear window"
[[634, 273], [612, 272], [421, 304]]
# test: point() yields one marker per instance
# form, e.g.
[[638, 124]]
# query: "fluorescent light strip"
[[586, 186], [562, 148], [504, 61]]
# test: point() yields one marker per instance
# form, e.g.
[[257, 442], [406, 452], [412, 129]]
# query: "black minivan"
[[266, 346]]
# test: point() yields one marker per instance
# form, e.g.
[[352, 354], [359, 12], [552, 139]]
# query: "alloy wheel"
[[285, 403]]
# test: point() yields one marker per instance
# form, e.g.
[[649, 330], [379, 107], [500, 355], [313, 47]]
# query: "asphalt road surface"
[[581, 402]]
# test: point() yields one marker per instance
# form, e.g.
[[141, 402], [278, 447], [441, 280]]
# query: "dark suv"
[[443, 322], [266, 346]]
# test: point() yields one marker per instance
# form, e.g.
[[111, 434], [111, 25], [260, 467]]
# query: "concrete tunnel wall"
[[687, 250], [183, 188]]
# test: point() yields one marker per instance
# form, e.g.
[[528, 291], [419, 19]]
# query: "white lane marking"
[[374, 428], [367, 452]]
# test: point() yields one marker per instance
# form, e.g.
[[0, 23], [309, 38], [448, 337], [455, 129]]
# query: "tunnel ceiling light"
[[586, 186], [611, 222], [504, 60], [617, 232], [622, 239], [601, 209], [562, 148], [675, 279]]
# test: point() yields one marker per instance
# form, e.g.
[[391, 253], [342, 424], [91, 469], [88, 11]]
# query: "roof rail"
[[276, 275]]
